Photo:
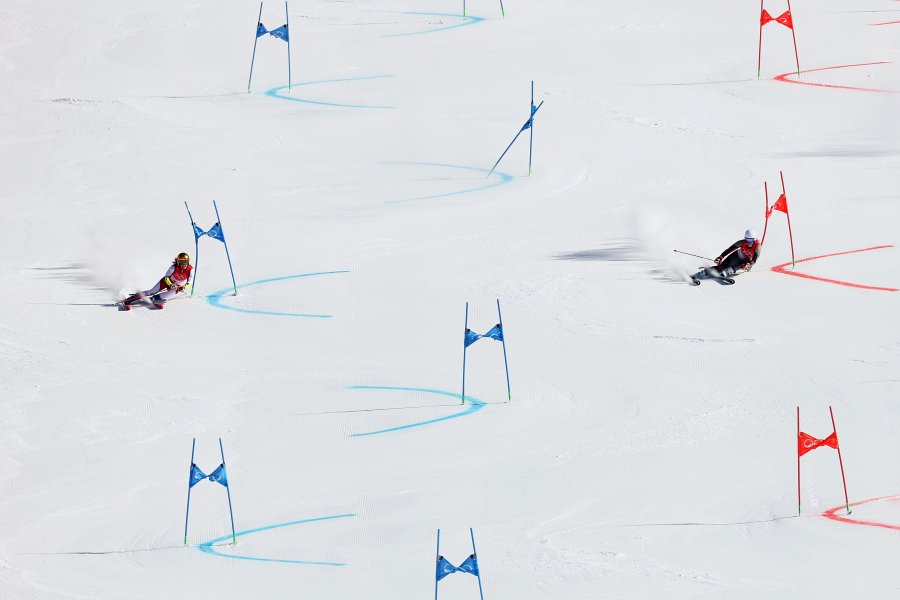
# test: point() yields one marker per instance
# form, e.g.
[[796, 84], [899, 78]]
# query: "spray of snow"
[[660, 229]]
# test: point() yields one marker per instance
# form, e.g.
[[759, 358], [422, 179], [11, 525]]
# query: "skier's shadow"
[[105, 304], [623, 251], [73, 273], [79, 274]]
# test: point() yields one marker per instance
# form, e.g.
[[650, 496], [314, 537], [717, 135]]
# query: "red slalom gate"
[[786, 18], [781, 206], [807, 443]]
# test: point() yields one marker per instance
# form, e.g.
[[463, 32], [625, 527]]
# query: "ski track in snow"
[[831, 513], [215, 299], [782, 268], [276, 92], [785, 77], [468, 21], [209, 547], [474, 406], [504, 178]]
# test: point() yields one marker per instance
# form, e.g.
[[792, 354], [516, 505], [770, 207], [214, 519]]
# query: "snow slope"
[[649, 446]]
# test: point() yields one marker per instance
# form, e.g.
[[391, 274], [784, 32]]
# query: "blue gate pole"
[[196, 263], [502, 12], [228, 490], [287, 23], [255, 39], [475, 552], [464, 7], [504, 152], [531, 129], [437, 560], [196, 249], [529, 123], [190, 474], [465, 329], [505, 364], [227, 255]]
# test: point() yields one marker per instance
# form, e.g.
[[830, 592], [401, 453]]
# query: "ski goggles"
[[182, 263], [750, 240]]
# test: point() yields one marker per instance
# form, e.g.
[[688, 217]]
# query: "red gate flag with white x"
[[806, 442]]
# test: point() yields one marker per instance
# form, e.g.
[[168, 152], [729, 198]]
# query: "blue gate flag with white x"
[[445, 567], [281, 33], [197, 475], [530, 120], [495, 333], [219, 475], [470, 565], [215, 232]]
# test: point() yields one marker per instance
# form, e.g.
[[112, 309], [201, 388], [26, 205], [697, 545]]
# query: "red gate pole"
[[841, 461], [766, 226], [794, 35], [788, 213], [798, 461], [759, 59]]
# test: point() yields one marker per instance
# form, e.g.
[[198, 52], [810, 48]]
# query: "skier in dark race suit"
[[742, 254]]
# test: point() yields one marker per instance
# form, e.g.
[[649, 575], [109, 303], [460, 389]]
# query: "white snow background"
[[649, 448]]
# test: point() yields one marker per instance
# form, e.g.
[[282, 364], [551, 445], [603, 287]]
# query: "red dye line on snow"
[[784, 77], [782, 269], [885, 23], [831, 513]]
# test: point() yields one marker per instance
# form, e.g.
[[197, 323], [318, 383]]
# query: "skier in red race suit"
[[742, 254], [173, 282]]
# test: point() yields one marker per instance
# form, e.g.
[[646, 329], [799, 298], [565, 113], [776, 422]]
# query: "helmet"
[[183, 258], [750, 235]]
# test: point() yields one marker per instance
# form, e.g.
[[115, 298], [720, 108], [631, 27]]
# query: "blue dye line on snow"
[[208, 547], [215, 299], [274, 92], [468, 21], [503, 178], [474, 406]]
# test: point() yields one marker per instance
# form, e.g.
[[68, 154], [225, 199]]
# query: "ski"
[[709, 273], [722, 280]]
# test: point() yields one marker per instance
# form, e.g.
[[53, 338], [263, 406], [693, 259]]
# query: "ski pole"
[[694, 255]]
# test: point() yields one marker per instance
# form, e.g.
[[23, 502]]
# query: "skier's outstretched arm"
[[728, 251]]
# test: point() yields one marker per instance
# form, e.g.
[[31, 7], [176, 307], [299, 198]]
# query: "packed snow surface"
[[649, 447]]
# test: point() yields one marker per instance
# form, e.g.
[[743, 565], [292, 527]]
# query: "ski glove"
[[718, 260]]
